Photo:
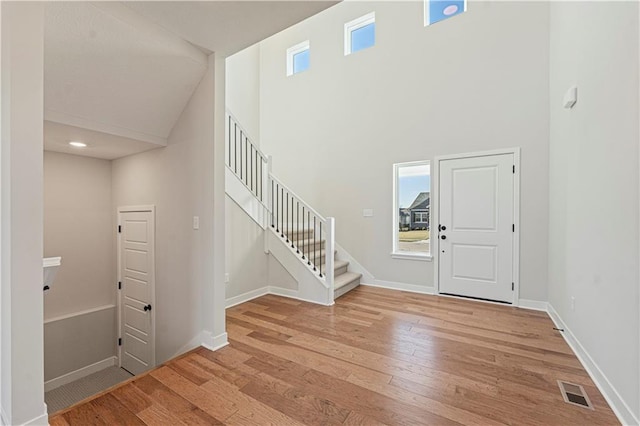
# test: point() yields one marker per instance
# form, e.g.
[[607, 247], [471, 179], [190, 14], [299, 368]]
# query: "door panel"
[[138, 278], [476, 213]]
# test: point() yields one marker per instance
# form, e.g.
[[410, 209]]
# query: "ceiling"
[[99, 145], [124, 71], [108, 69], [227, 26]]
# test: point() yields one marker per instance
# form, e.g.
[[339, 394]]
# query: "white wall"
[[594, 210], [75, 342], [243, 89], [21, 360], [78, 225], [246, 261], [179, 181], [476, 82]]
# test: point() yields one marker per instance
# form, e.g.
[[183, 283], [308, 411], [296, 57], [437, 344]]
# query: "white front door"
[[137, 280], [476, 227]]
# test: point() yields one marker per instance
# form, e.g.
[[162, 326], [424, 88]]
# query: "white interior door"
[[137, 279], [476, 227]]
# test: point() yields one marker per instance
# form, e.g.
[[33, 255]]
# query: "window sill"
[[412, 256]]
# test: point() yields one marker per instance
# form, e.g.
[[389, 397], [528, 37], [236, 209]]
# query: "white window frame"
[[395, 253], [356, 24], [427, 13], [293, 51]]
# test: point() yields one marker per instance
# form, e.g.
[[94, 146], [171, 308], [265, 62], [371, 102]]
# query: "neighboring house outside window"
[[412, 204]]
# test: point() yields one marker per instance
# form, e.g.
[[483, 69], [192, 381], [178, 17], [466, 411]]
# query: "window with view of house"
[[411, 207]]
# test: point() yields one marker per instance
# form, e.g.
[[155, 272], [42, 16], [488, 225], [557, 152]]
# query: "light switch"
[[367, 212], [570, 98], [196, 222]]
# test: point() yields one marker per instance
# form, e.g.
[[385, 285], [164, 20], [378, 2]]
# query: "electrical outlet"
[[226, 278], [573, 303], [367, 212], [196, 222]]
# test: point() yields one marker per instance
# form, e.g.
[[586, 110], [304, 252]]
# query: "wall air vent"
[[574, 394]]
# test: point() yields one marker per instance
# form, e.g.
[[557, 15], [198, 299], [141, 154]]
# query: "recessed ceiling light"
[[78, 144]]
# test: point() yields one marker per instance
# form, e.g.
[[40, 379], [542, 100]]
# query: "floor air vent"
[[574, 394]]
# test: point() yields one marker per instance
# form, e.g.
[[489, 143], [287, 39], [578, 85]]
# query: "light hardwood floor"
[[376, 357]]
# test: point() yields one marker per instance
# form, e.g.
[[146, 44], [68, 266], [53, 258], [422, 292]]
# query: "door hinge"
[[513, 286], [119, 341], [119, 285], [513, 227], [119, 229], [514, 169]]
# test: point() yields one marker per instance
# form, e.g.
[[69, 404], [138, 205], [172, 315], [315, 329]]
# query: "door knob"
[[444, 237], [443, 228], [147, 308]]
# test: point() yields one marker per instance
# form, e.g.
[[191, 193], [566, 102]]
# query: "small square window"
[[439, 10], [360, 33], [298, 58], [301, 61]]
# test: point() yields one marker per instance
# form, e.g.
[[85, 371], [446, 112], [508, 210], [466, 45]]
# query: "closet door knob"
[[147, 308]]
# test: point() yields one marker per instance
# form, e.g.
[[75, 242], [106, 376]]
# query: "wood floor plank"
[[377, 357], [113, 412]]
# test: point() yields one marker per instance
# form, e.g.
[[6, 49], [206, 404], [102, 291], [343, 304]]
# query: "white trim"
[[42, 419], [293, 294], [534, 305], [191, 344], [615, 401], [245, 297], [79, 373], [79, 313], [142, 208], [413, 288], [214, 343], [293, 51], [129, 209], [435, 210], [354, 265], [396, 208], [356, 24], [85, 123], [408, 256]]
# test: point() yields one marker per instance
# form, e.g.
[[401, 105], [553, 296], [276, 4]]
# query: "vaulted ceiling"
[[128, 69]]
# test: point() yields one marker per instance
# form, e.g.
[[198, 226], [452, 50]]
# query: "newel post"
[[329, 253]]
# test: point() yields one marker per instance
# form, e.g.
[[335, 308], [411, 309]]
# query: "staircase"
[[300, 232]]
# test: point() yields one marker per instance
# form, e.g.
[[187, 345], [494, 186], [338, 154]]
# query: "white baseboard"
[[236, 300], [79, 373], [413, 288], [192, 344], [354, 265], [42, 419], [293, 294], [615, 401], [534, 305], [213, 343]]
